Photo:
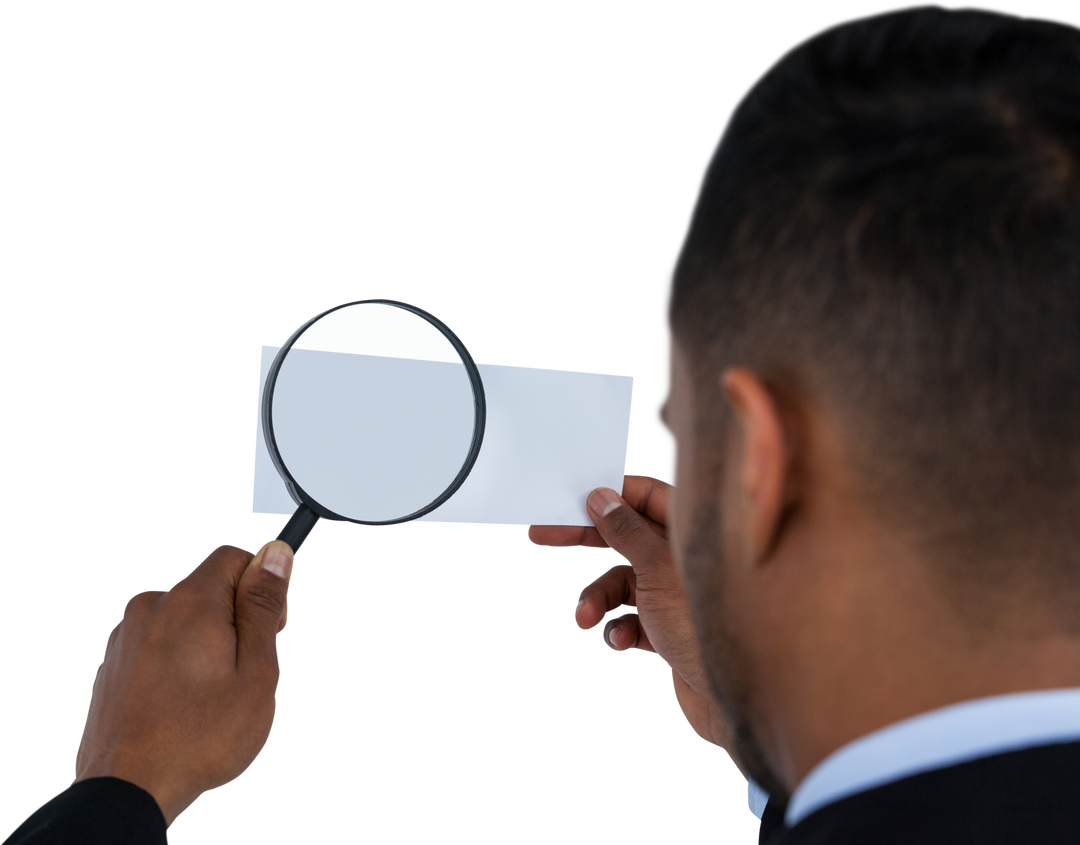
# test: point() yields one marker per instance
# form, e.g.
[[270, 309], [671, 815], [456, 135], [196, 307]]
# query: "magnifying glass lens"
[[373, 412]]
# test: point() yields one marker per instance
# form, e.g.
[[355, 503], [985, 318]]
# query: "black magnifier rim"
[[301, 496]]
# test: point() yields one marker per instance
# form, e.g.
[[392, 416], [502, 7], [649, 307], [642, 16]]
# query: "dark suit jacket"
[[98, 811], [1029, 796]]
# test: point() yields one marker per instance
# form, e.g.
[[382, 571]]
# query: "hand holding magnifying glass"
[[184, 699]]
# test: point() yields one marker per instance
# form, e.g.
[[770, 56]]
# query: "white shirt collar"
[[943, 737]]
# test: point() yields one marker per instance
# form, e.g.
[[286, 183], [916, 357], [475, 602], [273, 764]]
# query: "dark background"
[[181, 184]]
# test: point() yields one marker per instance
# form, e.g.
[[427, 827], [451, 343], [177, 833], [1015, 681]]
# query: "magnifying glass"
[[372, 412]]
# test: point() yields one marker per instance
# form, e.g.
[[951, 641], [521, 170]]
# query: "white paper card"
[[551, 438]]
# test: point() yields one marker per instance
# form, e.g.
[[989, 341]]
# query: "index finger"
[[648, 496], [218, 576]]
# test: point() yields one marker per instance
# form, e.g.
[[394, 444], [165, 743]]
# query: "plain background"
[[181, 183]]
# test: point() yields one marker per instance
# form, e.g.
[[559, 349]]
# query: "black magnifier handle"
[[296, 529]]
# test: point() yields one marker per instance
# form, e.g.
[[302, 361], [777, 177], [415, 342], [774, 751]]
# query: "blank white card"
[[551, 438]]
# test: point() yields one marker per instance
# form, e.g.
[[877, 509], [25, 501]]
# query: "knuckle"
[[139, 603], [266, 598], [625, 527]]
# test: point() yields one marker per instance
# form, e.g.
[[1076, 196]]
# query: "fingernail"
[[603, 501], [611, 638], [580, 605], [277, 558]]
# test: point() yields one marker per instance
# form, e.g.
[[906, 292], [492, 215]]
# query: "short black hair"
[[891, 223]]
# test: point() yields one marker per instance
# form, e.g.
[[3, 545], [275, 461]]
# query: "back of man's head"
[[891, 226]]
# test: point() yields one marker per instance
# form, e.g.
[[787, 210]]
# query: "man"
[[867, 589], [876, 402]]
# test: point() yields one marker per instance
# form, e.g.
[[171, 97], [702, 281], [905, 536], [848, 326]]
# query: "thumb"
[[260, 606], [625, 530]]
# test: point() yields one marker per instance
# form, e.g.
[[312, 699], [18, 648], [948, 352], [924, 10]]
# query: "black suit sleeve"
[[97, 811]]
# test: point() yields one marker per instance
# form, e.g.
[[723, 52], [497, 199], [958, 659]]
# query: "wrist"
[[169, 799]]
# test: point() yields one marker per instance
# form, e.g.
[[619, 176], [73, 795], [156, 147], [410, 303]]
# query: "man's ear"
[[761, 458]]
